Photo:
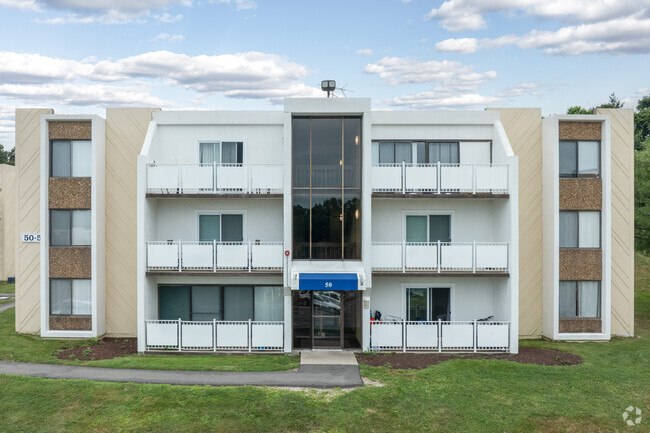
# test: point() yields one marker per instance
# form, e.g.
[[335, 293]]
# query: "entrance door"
[[327, 316]]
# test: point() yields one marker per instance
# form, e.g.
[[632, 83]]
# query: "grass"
[[7, 288], [457, 395], [30, 348]]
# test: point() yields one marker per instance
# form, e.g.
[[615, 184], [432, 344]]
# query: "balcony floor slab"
[[223, 196], [438, 196], [440, 274]]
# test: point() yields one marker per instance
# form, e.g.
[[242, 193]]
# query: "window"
[[579, 299], [428, 228], [70, 297], [326, 182], [221, 228], [70, 227], [232, 303], [70, 158], [221, 152], [431, 303], [579, 229], [579, 158], [421, 152]]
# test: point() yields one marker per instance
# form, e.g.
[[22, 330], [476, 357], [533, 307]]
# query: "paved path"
[[7, 306], [9, 295], [308, 376]]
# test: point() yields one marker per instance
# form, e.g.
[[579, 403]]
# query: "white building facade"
[[327, 226]]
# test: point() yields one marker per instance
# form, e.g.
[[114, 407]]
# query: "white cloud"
[[404, 70], [442, 98], [167, 18], [167, 37], [459, 15], [242, 75], [81, 94], [626, 35], [364, 51], [23, 5], [126, 7], [521, 89], [462, 45]]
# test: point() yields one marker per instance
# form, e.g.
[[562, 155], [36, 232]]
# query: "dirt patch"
[[417, 361], [106, 348]]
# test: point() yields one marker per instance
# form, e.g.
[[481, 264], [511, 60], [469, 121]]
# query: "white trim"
[[97, 216]]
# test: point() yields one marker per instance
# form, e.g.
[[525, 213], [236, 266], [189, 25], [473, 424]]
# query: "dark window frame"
[[600, 230], [429, 241], [429, 302], [221, 288], [69, 142], [239, 145], [427, 156], [69, 244], [577, 168], [71, 299], [577, 306]]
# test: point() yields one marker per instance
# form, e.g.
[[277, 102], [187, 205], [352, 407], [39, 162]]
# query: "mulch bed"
[[417, 361], [106, 348]]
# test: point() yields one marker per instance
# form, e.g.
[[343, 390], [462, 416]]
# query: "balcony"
[[448, 180], [188, 180], [439, 336], [215, 335], [484, 258], [204, 257]]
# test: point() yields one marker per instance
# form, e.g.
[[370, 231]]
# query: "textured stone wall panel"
[[581, 264], [581, 194], [70, 262], [580, 131], [69, 193], [70, 130], [71, 323]]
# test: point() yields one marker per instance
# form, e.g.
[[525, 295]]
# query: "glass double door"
[[327, 317]]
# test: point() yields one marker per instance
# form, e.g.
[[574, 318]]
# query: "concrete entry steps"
[[327, 357]]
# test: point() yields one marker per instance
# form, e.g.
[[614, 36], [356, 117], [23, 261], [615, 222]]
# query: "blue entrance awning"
[[315, 281]]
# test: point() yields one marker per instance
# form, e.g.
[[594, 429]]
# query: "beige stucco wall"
[[7, 221], [28, 218], [524, 129], [125, 132], [622, 144]]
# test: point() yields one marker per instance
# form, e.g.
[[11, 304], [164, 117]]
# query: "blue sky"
[[85, 55]]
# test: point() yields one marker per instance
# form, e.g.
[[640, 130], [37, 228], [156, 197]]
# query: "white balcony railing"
[[440, 178], [440, 336], [214, 178], [214, 256], [214, 335], [440, 256]]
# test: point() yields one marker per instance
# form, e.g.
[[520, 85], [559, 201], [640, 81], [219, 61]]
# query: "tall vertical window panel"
[[326, 188], [70, 297], [580, 229]]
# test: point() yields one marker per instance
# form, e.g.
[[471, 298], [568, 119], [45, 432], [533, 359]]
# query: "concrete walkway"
[[7, 306], [327, 357], [308, 376]]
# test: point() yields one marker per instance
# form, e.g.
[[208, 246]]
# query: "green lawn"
[[459, 395], [30, 348], [7, 288]]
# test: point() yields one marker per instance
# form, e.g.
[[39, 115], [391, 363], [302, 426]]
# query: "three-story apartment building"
[[325, 226]]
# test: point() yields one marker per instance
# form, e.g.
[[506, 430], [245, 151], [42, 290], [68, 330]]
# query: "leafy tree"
[[642, 198], [613, 102], [579, 110], [7, 156], [642, 123]]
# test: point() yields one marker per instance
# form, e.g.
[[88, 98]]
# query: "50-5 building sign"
[[31, 237]]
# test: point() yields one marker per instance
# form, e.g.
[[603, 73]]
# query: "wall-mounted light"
[[356, 140], [356, 213]]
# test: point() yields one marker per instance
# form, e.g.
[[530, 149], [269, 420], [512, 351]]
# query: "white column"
[[287, 320], [365, 320]]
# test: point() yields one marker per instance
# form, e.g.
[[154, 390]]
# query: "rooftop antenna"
[[328, 86], [343, 89]]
